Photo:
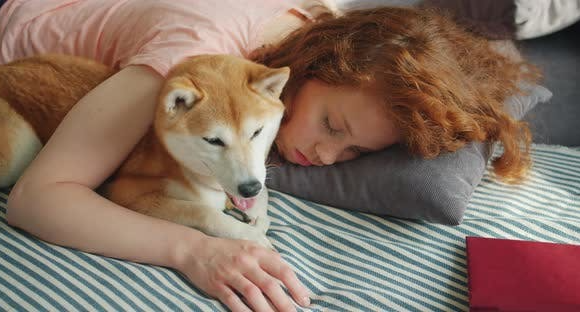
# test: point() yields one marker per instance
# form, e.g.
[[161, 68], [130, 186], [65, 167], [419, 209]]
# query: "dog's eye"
[[257, 133], [215, 141]]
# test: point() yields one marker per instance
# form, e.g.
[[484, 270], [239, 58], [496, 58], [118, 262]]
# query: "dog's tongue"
[[243, 203]]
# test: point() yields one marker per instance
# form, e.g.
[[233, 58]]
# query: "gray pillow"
[[392, 183]]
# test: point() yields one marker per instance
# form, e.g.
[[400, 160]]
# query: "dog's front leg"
[[259, 212], [210, 220]]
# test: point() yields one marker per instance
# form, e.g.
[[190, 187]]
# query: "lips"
[[301, 159]]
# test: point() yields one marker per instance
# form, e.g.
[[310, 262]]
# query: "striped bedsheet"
[[350, 261]]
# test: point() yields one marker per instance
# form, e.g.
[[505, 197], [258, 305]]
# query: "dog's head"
[[218, 116]]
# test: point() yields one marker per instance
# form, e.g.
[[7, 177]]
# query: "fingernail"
[[305, 301]]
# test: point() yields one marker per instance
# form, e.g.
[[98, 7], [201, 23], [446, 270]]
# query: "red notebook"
[[512, 275]]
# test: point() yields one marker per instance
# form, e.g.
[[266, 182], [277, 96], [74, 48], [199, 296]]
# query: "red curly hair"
[[442, 85]]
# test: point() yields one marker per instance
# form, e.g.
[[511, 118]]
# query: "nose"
[[250, 188], [327, 153]]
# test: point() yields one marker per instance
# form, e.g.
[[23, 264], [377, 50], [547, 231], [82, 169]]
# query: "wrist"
[[185, 247]]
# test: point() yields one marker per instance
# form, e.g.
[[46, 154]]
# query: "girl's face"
[[329, 124]]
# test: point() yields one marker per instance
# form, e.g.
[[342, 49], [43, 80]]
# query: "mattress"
[[350, 261]]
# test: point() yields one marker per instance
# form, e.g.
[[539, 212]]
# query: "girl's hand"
[[224, 268]]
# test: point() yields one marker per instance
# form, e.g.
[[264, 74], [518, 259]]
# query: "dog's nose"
[[250, 189]]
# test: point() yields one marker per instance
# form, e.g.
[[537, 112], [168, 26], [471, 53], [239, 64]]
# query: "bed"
[[350, 261]]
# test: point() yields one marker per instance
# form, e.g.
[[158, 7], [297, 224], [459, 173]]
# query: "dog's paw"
[[261, 239], [262, 223], [264, 241]]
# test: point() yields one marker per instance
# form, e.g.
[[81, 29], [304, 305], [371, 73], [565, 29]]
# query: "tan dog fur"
[[174, 173]]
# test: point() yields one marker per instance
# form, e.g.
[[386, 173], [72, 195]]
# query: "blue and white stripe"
[[350, 261]]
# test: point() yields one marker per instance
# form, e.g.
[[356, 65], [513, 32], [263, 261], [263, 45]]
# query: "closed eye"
[[257, 133], [215, 141], [329, 128]]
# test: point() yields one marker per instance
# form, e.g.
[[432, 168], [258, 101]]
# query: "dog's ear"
[[181, 94], [271, 82]]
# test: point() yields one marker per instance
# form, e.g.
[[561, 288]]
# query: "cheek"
[[301, 129], [288, 126]]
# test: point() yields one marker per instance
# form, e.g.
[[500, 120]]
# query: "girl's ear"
[[271, 82]]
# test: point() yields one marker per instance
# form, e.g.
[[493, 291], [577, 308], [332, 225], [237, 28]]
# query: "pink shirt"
[[129, 32]]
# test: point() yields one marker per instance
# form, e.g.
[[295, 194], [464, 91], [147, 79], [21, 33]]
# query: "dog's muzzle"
[[249, 191]]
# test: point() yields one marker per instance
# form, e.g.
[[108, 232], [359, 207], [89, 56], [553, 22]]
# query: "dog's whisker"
[[208, 168]]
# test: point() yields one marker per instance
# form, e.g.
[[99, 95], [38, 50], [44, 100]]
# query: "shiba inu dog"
[[215, 121]]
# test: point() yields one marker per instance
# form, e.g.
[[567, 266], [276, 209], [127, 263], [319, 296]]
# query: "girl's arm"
[[54, 199]]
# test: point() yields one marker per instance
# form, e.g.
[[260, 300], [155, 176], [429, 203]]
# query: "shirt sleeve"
[[169, 32], [169, 47]]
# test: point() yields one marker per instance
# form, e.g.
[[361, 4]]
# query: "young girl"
[[402, 75], [359, 83]]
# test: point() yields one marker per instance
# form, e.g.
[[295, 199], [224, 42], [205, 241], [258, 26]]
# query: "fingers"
[[278, 268], [271, 287], [231, 300], [251, 293], [243, 268]]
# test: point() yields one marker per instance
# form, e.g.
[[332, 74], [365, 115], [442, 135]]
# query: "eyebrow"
[[349, 130], [346, 124]]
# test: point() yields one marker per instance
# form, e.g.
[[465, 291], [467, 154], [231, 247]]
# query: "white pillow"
[[536, 18]]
